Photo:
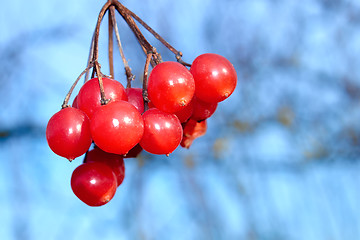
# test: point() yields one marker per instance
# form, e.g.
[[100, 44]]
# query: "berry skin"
[[202, 110], [74, 104], [117, 127], [134, 152], [88, 99], [68, 133], [185, 113], [170, 87], [162, 132], [215, 77], [94, 183], [114, 161], [135, 97], [192, 130]]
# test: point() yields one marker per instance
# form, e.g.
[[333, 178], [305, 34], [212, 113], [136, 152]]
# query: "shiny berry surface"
[[202, 110], [215, 77], [162, 132], [185, 113], [74, 104], [94, 183], [88, 99], [134, 152], [170, 87], [114, 161], [68, 133], [135, 97], [117, 127]]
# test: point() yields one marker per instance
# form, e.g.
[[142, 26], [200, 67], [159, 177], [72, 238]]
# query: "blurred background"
[[280, 159]]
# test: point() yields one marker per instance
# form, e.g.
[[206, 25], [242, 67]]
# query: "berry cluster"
[[169, 111]]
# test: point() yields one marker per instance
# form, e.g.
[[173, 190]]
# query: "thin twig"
[[97, 67], [178, 54], [129, 76], [145, 80], [111, 45], [126, 14], [97, 30], [67, 97]]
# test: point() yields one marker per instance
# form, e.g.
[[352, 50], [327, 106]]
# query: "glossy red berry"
[[215, 77], [185, 113], [170, 87], [88, 99], [68, 133], [114, 161], [202, 110], [94, 183], [134, 152], [74, 104], [117, 127], [135, 97], [162, 132]]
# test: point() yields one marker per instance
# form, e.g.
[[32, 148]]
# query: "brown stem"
[[155, 34], [126, 14], [97, 30], [177, 53], [103, 100], [152, 62], [111, 45], [129, 76], [67, 97], [145, 80]]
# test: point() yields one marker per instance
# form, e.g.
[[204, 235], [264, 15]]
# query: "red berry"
[[114, 161], [68, 133], [170, 87], [75, 104], [89, 95], [202, 110], [134, 152], [162, 132], [192, 130], [215, 77], [185, 113], [135, 97], [94, 183], [117, 127]]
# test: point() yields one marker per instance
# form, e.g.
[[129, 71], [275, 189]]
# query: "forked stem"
[[152, 57]]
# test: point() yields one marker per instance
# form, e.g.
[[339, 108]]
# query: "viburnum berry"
[[68, 133], [215, 77], [89, 97], [162, 132], [114, 161], [135, 97], [185, 113], [134, 152], [117, 127], [74, 104], [170, 86], [94, 183], [202, 110]]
